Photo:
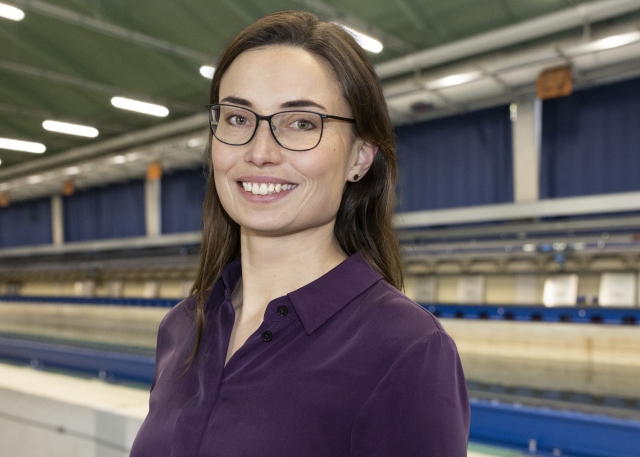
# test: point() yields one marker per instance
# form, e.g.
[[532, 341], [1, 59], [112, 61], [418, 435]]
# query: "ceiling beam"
[[557, 207], [107, 28], [74, 81], [195, 123], [521, 32]]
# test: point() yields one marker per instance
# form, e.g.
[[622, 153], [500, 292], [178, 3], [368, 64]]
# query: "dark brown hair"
[[364, 219]]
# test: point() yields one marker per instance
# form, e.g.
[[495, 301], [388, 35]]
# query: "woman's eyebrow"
[[237, 101], [302, 104]]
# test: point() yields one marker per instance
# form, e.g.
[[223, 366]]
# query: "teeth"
[[266, 188]]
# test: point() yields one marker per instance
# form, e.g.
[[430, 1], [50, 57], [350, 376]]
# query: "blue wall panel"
[[183, 193], [591, 142], [463, 160], [115, 211], [24, 224]]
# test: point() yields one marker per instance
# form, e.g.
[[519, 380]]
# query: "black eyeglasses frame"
[[268, 118]]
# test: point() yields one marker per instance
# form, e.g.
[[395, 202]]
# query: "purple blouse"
[[344, 366]]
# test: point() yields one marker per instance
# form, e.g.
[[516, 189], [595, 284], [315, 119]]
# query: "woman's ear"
[[366, 154]]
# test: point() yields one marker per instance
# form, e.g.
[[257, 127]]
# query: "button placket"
[[267, 336]]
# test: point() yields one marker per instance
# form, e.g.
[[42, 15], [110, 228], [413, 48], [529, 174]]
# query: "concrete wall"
[[131, 325], [51, 415]]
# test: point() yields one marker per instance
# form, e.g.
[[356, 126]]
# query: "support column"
[[152, 200], [526, 115], [57, 220]]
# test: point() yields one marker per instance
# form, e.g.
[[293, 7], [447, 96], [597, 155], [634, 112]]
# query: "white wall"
[[51, 415]]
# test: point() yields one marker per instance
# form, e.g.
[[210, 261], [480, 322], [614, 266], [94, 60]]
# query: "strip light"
[[454, 80], [139, 107], [70, 129], [207, 71], [35, 179], [603, 44], [23, 146], [365, 41], [11, 12]]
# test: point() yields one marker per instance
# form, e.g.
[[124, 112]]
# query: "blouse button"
[[282, 310], [267, 336]]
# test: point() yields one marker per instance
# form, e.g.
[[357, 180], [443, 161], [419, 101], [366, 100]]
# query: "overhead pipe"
[[508, 36], [85, 84], [189, 124], [107, 28]]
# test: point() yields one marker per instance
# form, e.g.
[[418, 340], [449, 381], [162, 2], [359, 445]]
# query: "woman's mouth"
[[265, 188]]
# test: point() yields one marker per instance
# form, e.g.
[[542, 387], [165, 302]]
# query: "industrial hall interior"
[[517, 132]]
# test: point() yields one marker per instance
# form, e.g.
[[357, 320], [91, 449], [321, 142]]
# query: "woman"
[[296, 341]]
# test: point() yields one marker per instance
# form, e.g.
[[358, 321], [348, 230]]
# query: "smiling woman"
[[296, 340]]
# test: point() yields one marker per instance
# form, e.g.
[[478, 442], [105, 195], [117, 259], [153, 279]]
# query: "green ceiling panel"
[[95, 66]]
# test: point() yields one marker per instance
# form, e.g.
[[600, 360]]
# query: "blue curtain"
[[24, 224], [591, 142], [115, 211], [183, 193], [463, 160]]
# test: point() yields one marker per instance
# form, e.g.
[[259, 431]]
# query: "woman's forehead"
[[274, 76]]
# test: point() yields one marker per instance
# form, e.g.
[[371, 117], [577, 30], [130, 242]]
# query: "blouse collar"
[[318, 301]]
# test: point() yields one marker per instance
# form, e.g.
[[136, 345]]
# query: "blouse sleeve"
[[419, 408]]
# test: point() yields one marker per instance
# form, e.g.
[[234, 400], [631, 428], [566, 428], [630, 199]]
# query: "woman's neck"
[[275, 266]]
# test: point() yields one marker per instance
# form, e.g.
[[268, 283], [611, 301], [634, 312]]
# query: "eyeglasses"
[[293, 130]]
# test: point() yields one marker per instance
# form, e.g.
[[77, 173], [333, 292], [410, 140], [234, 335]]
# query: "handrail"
[[565, 314], [109, 301]]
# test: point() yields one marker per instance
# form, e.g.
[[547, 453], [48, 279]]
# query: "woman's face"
[[283, 78]]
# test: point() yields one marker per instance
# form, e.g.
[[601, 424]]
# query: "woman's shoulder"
[[178, 319], [394, 317], [396, 306]]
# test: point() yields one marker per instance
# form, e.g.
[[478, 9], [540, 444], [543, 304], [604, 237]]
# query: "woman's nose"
[[263, 148]]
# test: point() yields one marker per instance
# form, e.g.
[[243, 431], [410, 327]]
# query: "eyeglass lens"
[[296, 130]]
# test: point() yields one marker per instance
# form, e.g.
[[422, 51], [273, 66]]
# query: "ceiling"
[[67, 58]]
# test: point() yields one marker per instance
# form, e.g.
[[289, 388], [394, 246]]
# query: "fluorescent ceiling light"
[[70, 129], [24, 146], [195, 142], [133, 156], [119, 159], [36, 179], [72, 171], [207, 71], [365, 41], [11, 12], [454, 80], [139, 107], [603, 44]]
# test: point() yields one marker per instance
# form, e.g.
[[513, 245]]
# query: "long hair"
[[364, 219]]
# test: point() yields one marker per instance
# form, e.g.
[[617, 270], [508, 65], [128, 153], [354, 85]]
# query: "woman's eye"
[[237, 120], [303, 124]]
